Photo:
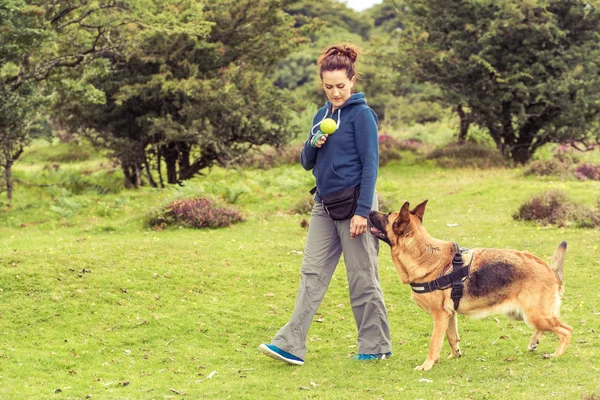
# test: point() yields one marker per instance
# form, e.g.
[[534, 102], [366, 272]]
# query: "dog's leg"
[[535, 339], [552, 324], [441, 320], [452, 335], [564, 337]]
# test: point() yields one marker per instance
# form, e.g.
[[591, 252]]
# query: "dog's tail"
[[558, 261]]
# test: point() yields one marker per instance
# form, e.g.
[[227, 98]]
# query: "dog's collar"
[[453, 280]]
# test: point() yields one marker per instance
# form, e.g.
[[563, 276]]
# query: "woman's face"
[[337, 86]]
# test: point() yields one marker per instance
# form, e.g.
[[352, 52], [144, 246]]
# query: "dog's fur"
[[516, 283]]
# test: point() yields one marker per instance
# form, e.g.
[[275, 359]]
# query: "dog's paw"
[[532, 347], [457, 354], [425, 367]]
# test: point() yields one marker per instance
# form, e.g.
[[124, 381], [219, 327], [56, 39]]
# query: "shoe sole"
[[276, 356]]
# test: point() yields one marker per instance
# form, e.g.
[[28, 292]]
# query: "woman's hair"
[[338, 57]]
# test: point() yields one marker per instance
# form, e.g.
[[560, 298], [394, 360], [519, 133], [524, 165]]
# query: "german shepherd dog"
[[515, 283]]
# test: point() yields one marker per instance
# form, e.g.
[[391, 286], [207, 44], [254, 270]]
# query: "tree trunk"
[[129, 176], [465, 122], [138, 174], [159, 166], [520, 154], [9, 182], [171, 155], [184, 159], [508, 139], [148, 171]]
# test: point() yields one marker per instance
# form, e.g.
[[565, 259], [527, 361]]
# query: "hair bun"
[[350, 52], [345, 50]]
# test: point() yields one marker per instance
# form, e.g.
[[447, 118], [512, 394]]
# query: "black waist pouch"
[[341, 205]]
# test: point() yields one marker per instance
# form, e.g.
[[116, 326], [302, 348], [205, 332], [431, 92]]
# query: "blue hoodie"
[[350, 156]]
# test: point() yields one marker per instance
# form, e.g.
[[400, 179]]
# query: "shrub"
[[102, 182], [552, 207], [589, 218], [384, 204], [565, 153], [552, 167], [586, 171], [194, 213], [390, 148], [304, 205], [269, 157], [471, 155], [548, 208]]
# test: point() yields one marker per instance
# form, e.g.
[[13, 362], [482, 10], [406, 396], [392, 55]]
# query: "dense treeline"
[[179, 86]]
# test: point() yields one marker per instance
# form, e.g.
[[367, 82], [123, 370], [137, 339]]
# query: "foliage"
[[20, 122], [526, 71], [391, 149], [269, 157], [547, 208], [551, 167], [565, 168], [195, 213], [585, 171], [332, 13], [552, 207], [190, 98], [470, 155], [304, 205], [39, 42]]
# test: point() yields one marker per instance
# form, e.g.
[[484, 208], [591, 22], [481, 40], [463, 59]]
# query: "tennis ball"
[[328, 126]]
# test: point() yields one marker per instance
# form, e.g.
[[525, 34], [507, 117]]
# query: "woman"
[[345, 159]]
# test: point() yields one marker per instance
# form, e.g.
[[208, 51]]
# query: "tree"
[[196, 94], [38, 41], [526, 71]]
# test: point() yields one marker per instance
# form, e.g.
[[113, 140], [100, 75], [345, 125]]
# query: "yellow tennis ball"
[[328, 126]]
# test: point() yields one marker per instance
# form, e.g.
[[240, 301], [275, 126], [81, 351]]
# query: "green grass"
[[93, 303]]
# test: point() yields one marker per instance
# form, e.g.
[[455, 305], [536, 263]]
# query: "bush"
[[390, 148], [59, 153], [566, 154], [384, 204], [548, 208], [102, 182], [471, 155], [194, 213], [587, 171], [589, 218], [553, 208], [304, 205], [552, 167], [270, 157]]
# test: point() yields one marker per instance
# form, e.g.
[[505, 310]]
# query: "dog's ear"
[[403, 216], [419, 210], [404, 211]]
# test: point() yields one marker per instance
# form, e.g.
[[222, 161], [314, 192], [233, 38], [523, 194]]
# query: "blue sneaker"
[[368, 357], [277, 354]]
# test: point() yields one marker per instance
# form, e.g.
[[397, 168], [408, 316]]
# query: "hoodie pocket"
[[327, 177]]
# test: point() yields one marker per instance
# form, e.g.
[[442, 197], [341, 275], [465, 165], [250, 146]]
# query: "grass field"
[[95, 305]]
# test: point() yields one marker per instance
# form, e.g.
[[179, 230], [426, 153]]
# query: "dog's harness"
[[455, 279]]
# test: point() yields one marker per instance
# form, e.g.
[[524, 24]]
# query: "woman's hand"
[[358, 226], [321, 141]]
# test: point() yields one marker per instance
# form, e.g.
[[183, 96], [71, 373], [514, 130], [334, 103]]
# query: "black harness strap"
[[453, 279]]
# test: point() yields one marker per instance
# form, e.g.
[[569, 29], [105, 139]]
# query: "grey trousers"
[[327, 240]]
